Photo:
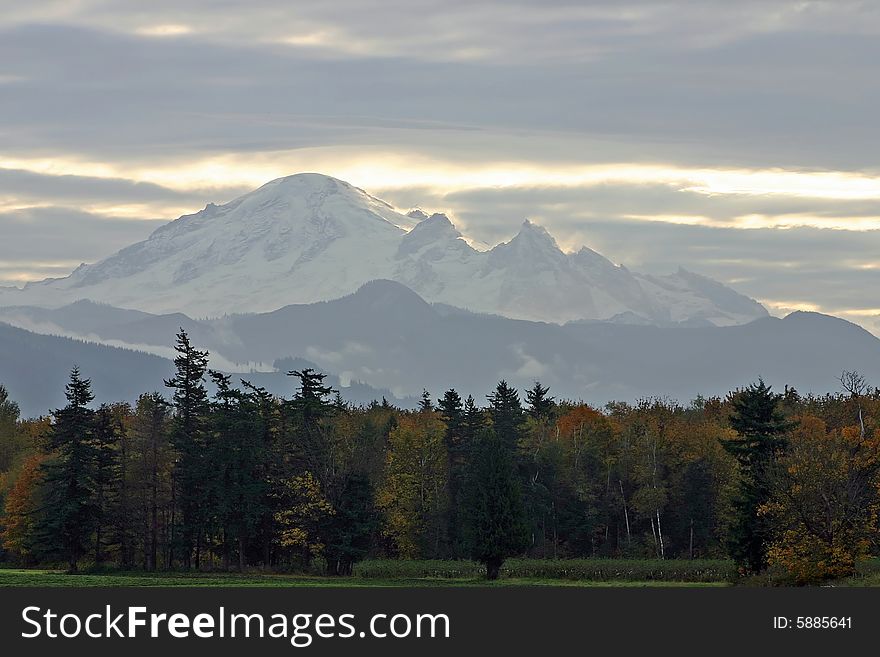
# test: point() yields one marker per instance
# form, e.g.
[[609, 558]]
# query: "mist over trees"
[[238, 478]]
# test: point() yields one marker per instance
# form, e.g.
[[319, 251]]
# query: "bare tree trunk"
[[154, 499], [660, 536], [692, 539], [625, 514]]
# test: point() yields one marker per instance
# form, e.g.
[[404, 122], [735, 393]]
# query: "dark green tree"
[[10, 445], [268, 465], [506, 413], [494, 520], [192, 472], [152, 457], [473, 421], [761, 427], [540, 405], [351, 528], [452, 412], [69, 505], [237, 455], [310, 407], [107, 477], [425, 403]]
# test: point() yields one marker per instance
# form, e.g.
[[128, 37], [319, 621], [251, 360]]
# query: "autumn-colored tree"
[[303, 508], [824, 507], [413, 492], [21, 504]]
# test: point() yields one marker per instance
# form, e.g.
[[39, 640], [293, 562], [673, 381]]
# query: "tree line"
[[237, 478]]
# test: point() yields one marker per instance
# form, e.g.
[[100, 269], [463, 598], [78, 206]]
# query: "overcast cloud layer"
[[738, 139]]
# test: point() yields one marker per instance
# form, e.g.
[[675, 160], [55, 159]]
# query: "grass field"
[[398, 573], [18, 577]]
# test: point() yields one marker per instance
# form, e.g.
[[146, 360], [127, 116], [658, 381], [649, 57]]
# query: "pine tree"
[[152, 459], [237, 451], [761, 427], [9, 440], [309, 408], [106, 437], [453, 414], [425, 403], [540, 406], [268, 465], [192, 472], [352, 526], [493, 513], [506, 413], [473, 422], [69, 504]]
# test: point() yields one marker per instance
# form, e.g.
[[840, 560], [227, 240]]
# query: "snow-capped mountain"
[[309, 237]]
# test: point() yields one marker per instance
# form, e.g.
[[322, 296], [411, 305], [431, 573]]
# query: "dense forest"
[[238, 479]]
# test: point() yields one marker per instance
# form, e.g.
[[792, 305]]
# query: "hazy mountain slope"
[[389, 338], [308, 238], [35, 369]]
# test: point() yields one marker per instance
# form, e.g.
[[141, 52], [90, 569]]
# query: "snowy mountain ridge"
[[309, 237]]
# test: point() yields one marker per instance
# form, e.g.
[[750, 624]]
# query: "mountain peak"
[[434, 232], [311, 237], [383, 296], [306, 185], [418, 214], [534, 236], [308, 178]]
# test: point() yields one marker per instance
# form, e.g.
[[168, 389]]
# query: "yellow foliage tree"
[[19, 508], [412, 494], [825, 501], [299, 520]]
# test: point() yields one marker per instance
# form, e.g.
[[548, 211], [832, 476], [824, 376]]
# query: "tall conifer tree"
[[69, 504], [761, 427], [188, 436]]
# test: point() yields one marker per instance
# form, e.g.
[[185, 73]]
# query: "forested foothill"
[[758, 484]]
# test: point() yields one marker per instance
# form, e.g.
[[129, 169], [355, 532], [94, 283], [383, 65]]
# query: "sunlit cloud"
[[383, 171], [167, 30], [735, 139]]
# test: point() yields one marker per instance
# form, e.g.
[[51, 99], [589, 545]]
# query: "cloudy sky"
[[738, 139]]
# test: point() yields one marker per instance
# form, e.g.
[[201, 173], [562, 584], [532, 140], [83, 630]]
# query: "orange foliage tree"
[[825, 501], [20, 507]]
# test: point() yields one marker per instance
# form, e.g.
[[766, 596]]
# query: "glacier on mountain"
[[309, 237]]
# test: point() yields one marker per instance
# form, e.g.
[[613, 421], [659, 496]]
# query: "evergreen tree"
[[268, 465], [9, 440], [425, 403], [309, 408], [453, 414], [352, 526], [761, 427], [237, 456], [151, 466], [106, 437], [540, 406], [473, 421], [493, 512], [69, 505], [192, 472], [506, 413]]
